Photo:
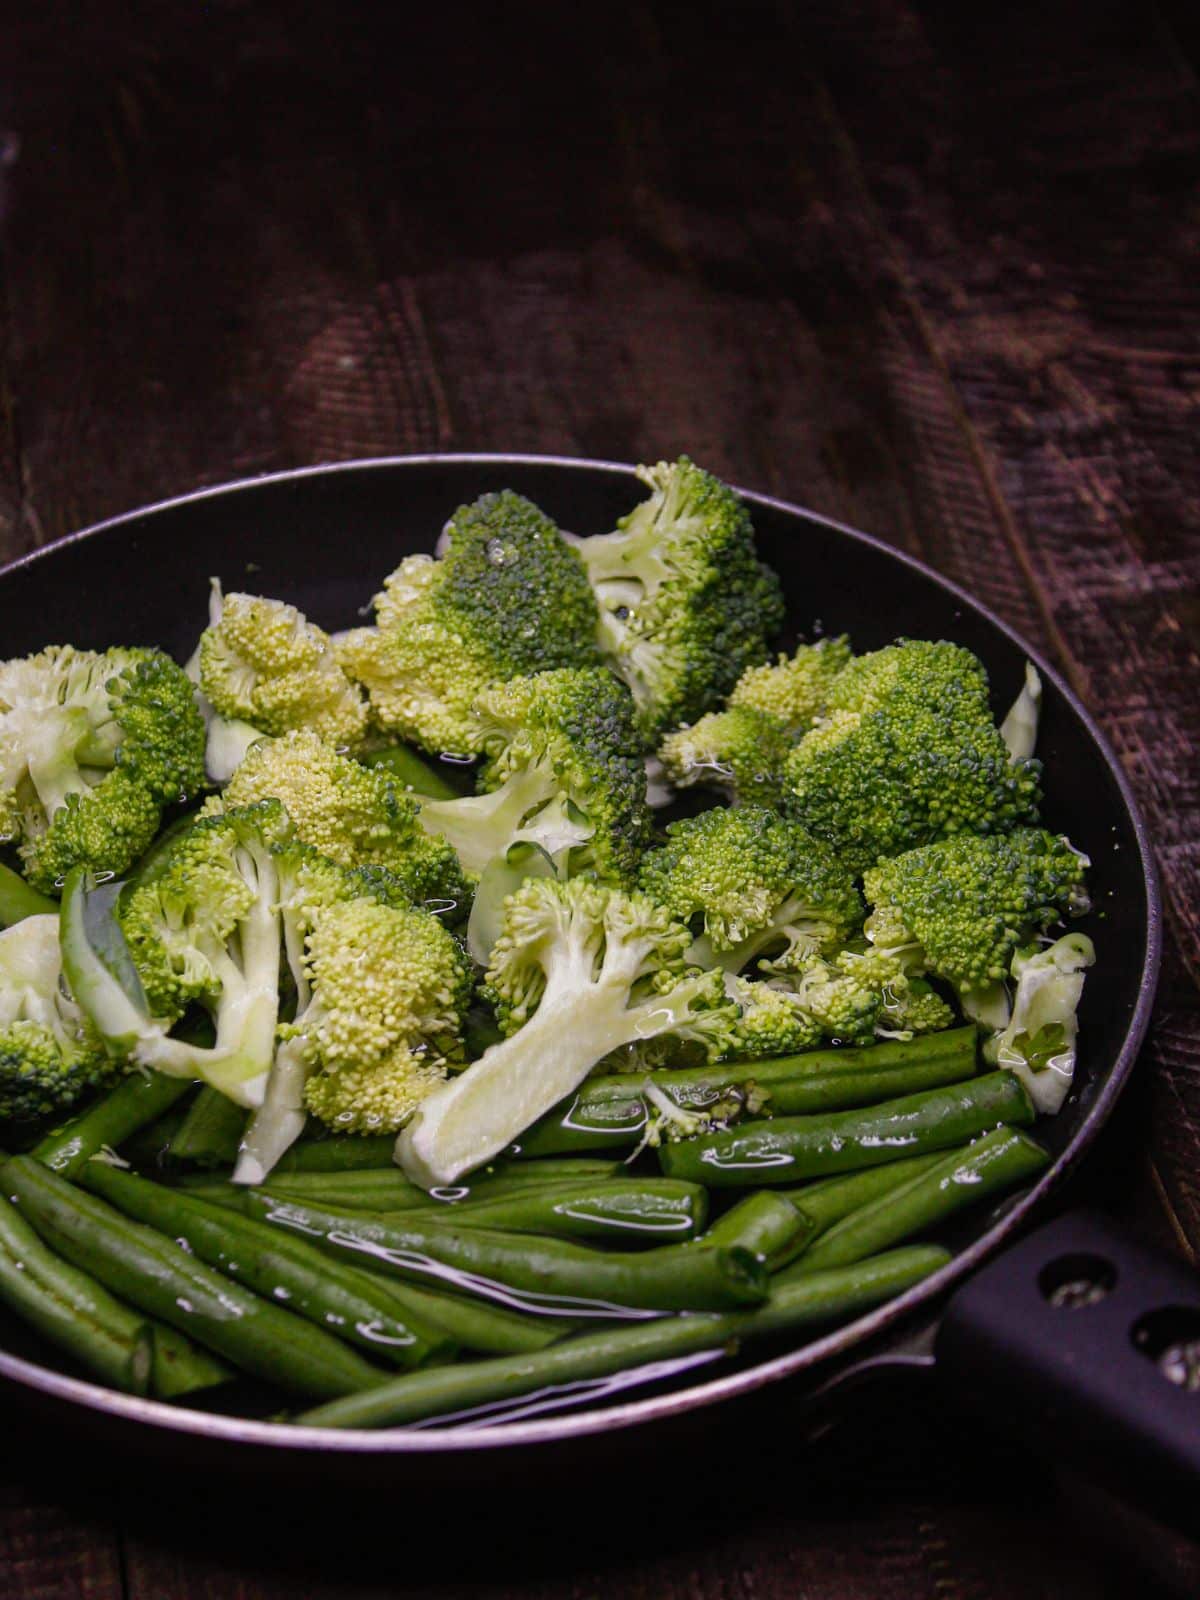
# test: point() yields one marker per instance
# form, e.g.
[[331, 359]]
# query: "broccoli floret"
[[507, 598], [93, 746], [578, 971], [772, 1023], [50, 1055], [390, 992], [751, 882], [562, 773], [908, 753], [355, 815], [262, 662], [739, 752], [796, 689], [685, 604], [958, 909], [1039, 1042]]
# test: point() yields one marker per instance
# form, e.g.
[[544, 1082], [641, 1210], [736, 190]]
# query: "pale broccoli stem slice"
[[594, 946], [1039, 1042], [1019, 730], [227, 740], [523, 809]]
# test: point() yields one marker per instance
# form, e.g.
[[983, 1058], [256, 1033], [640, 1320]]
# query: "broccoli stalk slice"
[[1039, 1042], [279, 1121], [102, 977], [503, 875], [1019, 730], [582, 1016], [526, 807], [227, 744]]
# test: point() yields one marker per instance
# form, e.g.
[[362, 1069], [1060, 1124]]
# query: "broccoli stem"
[[481, 826], [19, 899], [822, 1297], [279, 1121], [481, 1112]]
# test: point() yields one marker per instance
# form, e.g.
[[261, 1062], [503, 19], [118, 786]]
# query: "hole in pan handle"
[[1086, 1344]]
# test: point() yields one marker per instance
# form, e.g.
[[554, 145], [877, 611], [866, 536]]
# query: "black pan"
[[323, 539]]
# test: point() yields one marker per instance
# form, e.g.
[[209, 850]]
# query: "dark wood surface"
[[928, 271]]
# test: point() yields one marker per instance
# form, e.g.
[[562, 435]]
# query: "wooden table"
[[932, 273]]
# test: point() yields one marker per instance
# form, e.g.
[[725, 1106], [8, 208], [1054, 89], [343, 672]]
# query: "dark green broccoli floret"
[[50, 1055], [739, 752], [685, 604], [908, 752], [357, 816], [508, 597], [795, 689], [578, 971], [562, 772], [750, 882], [959, 908], [92, 748]]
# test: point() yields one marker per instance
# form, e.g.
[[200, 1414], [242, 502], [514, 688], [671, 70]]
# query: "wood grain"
[[930, 271]]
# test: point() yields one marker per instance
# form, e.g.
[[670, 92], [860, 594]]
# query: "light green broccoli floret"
[[262, 662], [958, 909], [772, 1023], [356, 815], [390, 990], [739, 752], [578, 971], [795, 689], [907, 753], [562, 773], [750, 882], [93, 747], [50, 1055], [507, 597], [685, 604]]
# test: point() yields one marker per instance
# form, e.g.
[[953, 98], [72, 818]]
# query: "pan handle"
[[1087, 1344]]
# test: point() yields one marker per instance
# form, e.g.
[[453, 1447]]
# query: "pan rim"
[[851, 1337]]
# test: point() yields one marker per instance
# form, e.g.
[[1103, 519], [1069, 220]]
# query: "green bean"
[[339, 1153], [278, 1266], [830, 1199], [553, 1276], [182, 1367], [611, 1111], [19, 899], [766, 1224], [148, 1147], [472, 1324], [998, 1161], [414, 772], [137, 1099], [462, 1391], [71, 1310], [391, 1191], [633, 1210], [786, 1148], [211, 1134], [161, 1278]]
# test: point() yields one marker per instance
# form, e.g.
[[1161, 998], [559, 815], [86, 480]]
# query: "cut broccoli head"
[[390, 989], [1038, 1043], [796, 689], [93, 746], [772, 1023], [739, 752], [685, 604], [509, 597], [356, 815], [50, 1055], [579, 970], [959, 908], [908, 753], [262, 662], [750, 882], [562, 773]]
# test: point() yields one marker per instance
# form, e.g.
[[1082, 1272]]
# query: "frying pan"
[[323, 538]]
